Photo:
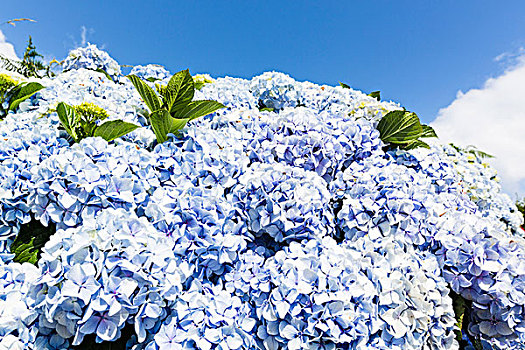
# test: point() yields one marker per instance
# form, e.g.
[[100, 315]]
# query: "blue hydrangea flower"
[[377, 197], [81, 180], [231, 92], [25, 142], [324, 143], [17, 330], [90, 57], [455, 172], [113, 270], [206, 317], [484, 264], [275, 90], [207, 158], [481, 183], [283, 202], [150, 71], [205, 229], [346, 296]]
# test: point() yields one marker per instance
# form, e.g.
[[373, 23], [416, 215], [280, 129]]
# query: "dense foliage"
[[297, 217]]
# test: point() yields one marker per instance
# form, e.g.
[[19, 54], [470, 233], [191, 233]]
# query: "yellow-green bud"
[[6, 83], [90, 112]]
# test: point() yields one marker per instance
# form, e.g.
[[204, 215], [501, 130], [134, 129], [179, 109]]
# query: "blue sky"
[[419, 53]]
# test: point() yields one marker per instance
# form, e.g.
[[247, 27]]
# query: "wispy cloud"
[[85, 34], [493, 118], [510, 58]]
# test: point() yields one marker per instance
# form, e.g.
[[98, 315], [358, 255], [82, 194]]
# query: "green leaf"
[[428, 131], [66, 115], [163, 124], [180, 91], [455, 147], [463, 311], [199, 85], [460, 307], [344, 86], [100, 70], [266, 109], [30, 240], [415, 144], [473, 150], [88, 128], [399, 127], [480, 154], [376, 95], [114, 129], [152, 79], [198, 109], [22, 92], [148, 95]]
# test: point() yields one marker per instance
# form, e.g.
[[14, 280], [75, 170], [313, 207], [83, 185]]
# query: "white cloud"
[[6, 49], [85, 33], [493, 119]]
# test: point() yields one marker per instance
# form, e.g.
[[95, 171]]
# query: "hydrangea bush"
[[283, 221]]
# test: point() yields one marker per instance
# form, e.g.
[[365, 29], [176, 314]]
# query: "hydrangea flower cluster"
[[455, 172], [377, 197], [486, 265], [415, 211], [346, 296], [206, 157], [90, 57], [279, 222], [205, 228], [324, 143], [205, 317], [275, 90], [16, 316], [150, 71], [481, 183], [115, 268], [25, 142], [283, 202], [81, 180], [231, 92]]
